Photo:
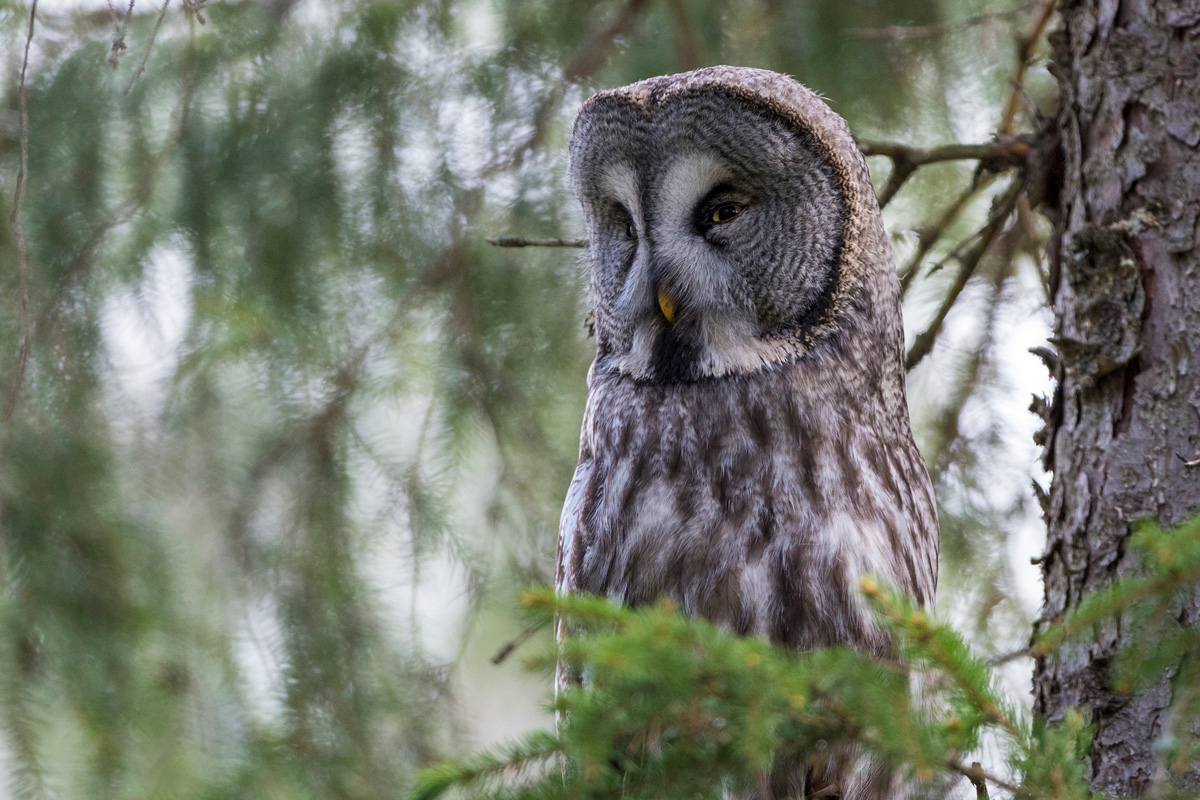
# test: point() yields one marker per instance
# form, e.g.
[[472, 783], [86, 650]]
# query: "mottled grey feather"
[[751, 457]]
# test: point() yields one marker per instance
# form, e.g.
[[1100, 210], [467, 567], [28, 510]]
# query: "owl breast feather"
[[752, 501]]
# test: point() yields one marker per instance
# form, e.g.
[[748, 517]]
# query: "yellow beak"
[[666, 304]]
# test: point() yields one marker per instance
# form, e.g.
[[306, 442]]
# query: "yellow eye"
[[726, 211]]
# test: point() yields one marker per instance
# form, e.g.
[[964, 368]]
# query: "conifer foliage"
[[281, 432], [673, 707]]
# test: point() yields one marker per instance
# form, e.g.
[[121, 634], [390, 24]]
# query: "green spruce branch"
[[672, 706]]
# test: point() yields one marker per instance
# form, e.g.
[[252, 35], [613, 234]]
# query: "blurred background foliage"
[[283, 434]]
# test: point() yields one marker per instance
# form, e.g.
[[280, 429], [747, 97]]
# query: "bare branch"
[[992, 157], [518, 640], [1011, 655], [1025, 47], [1004, 153], [901, 170], [946, 427], [984, 238], [158, 21], [929, 235], [978, 778], [120, 27], [520, 241], [19, 226]]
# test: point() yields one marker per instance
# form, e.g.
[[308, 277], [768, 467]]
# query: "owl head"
[[732, 227]]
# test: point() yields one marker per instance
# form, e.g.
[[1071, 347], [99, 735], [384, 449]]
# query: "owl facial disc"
[[715, 225]]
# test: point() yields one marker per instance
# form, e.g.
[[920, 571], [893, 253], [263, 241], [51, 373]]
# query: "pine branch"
[[138, 196], [944, 649], [515, 758], [18, 223], [588, 58], [158, 21], [1173, 559]]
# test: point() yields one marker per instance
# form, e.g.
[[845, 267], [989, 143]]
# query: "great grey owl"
[[746, 447]]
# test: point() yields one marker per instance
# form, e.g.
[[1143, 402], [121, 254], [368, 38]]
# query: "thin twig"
[[19, 226], [947, 426], [929, 235], [518, 640], [978, 778], [521, 241], [1011, 655], [898, 32], [1188, 464], [924, 341], [1025, 47], [138, 196], [121, 27], [196, 9], [149, 46], [1033, 246]]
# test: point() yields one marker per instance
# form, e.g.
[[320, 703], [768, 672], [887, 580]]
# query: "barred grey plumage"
[[746, 447]]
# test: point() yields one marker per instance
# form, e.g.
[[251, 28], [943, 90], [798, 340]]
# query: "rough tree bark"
[[1125, 283]]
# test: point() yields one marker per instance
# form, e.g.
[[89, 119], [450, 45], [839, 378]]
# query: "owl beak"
[[666, 304]]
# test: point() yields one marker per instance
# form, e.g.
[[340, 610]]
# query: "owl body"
[[755, 501], [746, 447]]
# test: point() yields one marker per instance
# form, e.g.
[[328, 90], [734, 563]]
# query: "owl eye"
[[622, 221], [726, 212]]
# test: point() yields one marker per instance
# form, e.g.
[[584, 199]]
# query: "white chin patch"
[[732, 347], [729, 347]]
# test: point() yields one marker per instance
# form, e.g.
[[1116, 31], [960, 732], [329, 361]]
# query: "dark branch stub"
[[975, 775], [521, 241]]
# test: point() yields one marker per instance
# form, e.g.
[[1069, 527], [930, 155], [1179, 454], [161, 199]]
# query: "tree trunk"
[[1125, 283]]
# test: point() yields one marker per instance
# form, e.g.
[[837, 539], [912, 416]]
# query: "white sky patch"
[[144, 326], [442, 604], [466, 127], [482, 26], [1020, 327], [259, 650]]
